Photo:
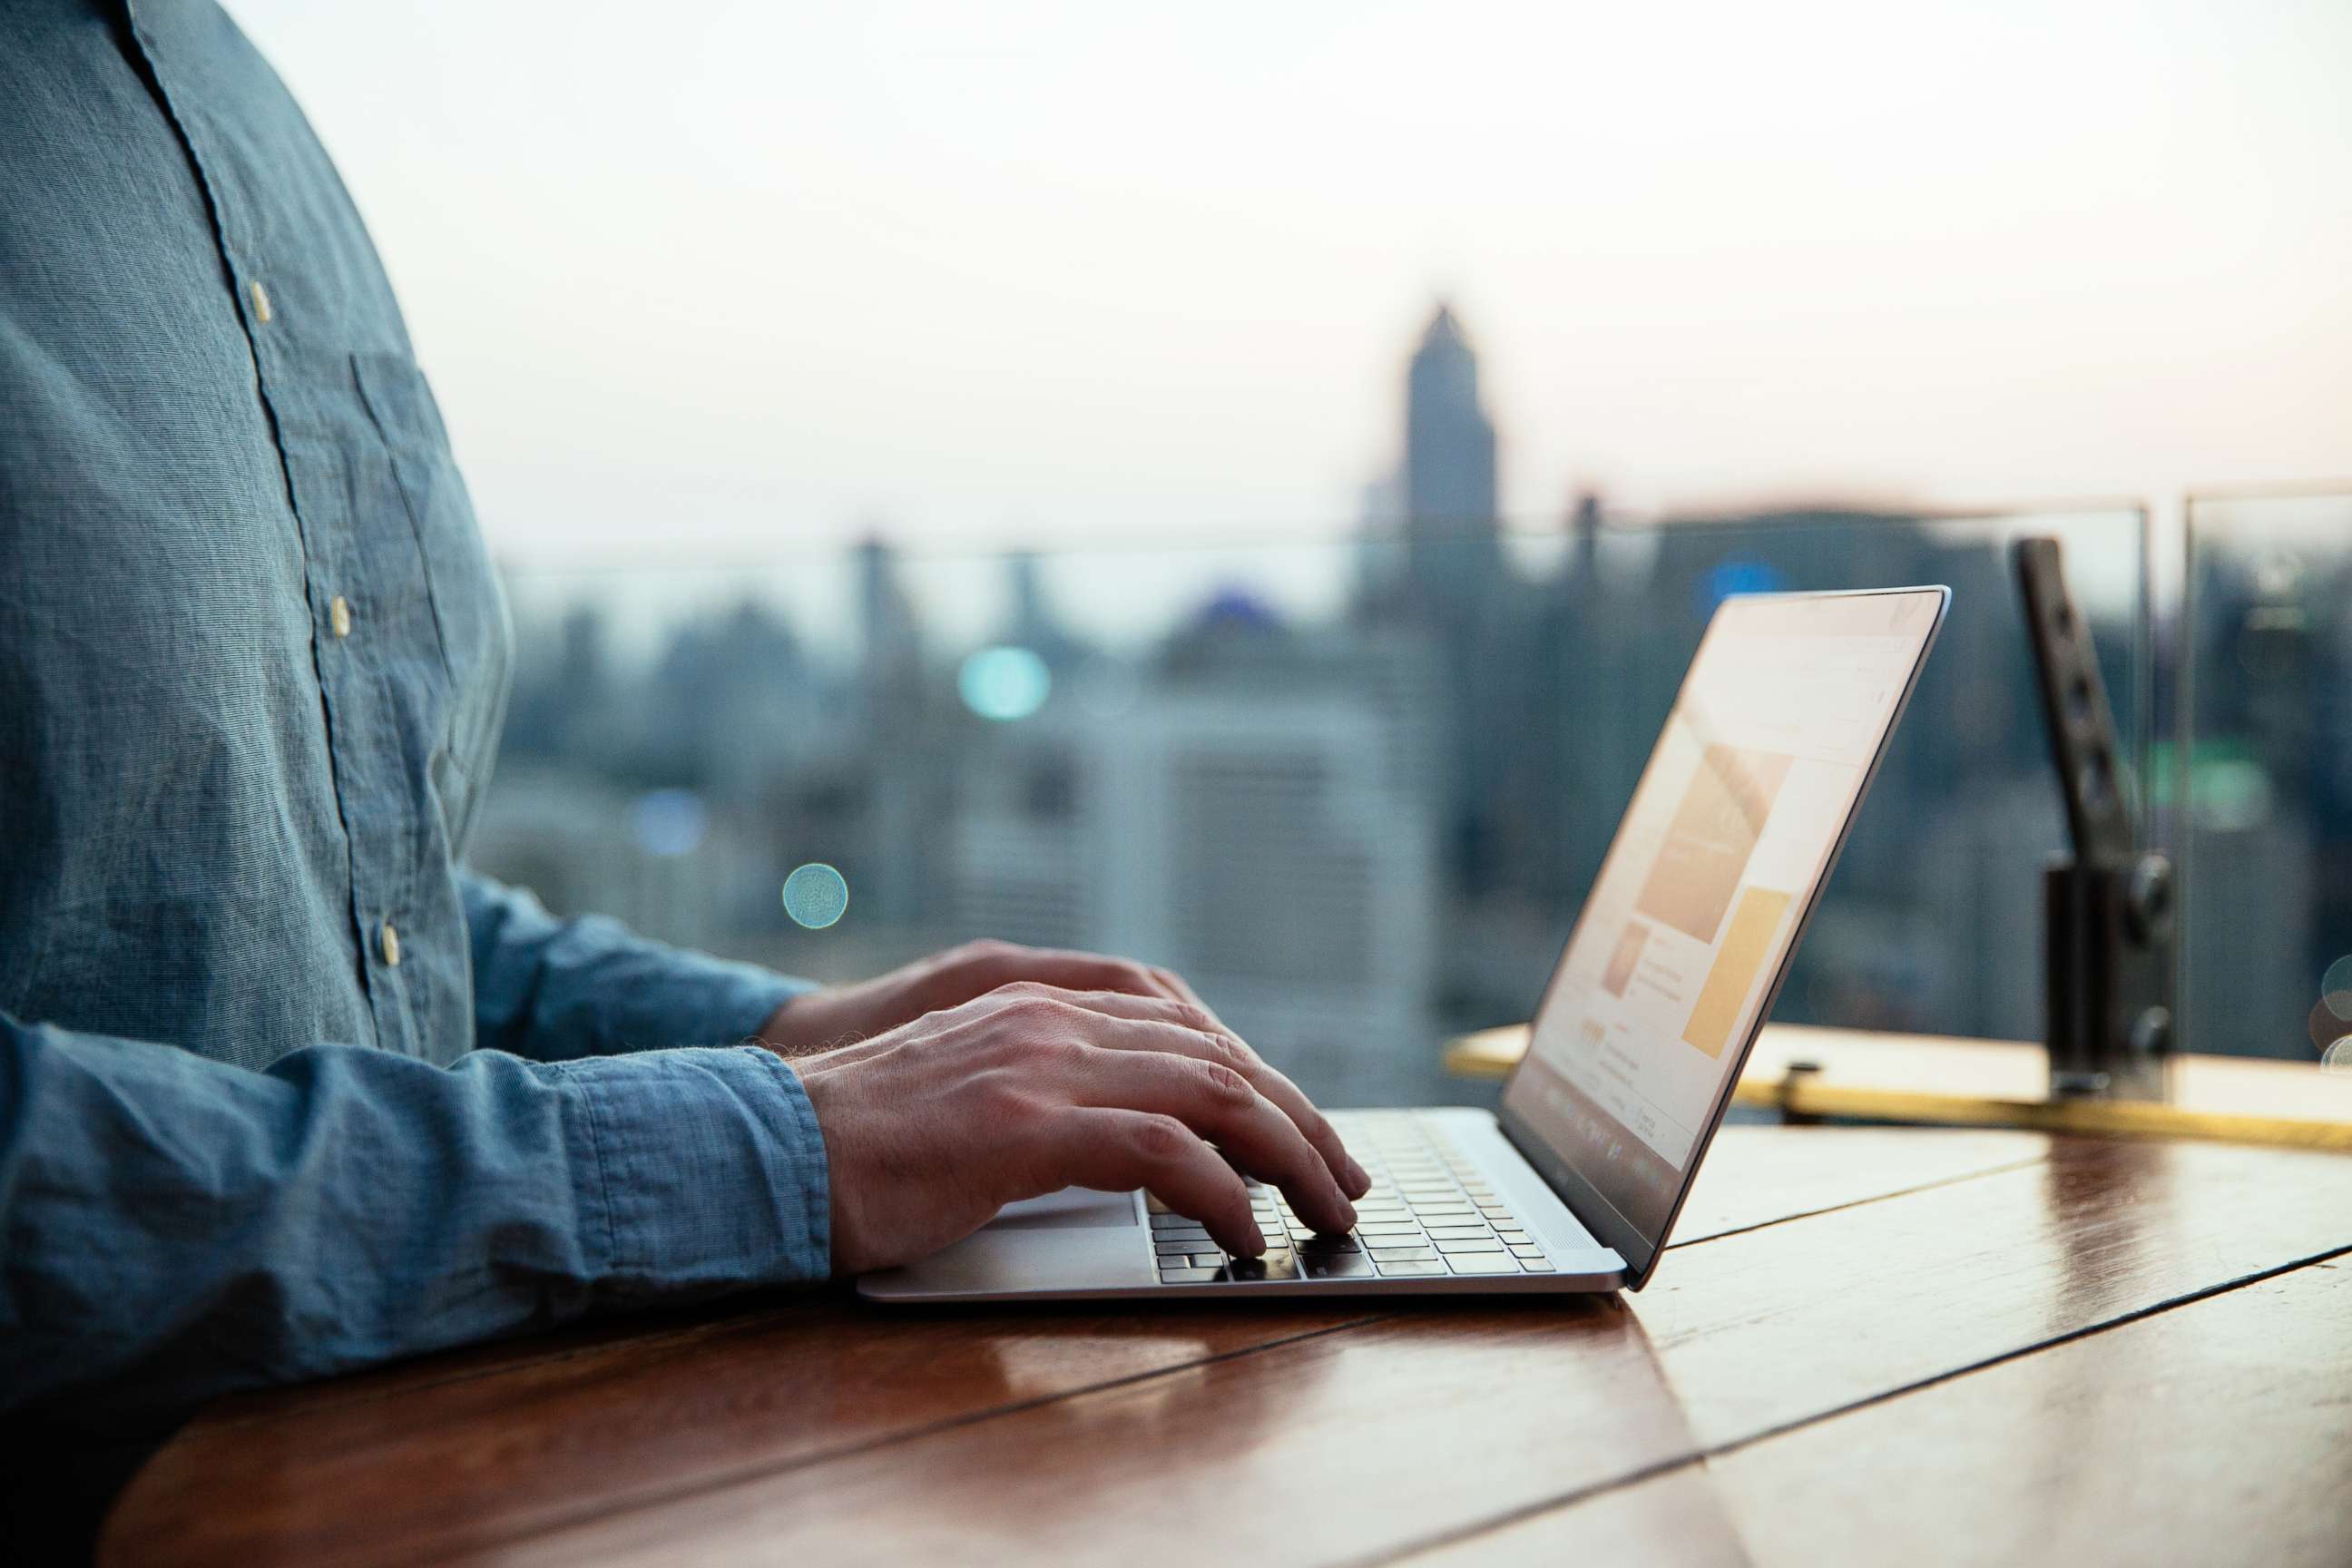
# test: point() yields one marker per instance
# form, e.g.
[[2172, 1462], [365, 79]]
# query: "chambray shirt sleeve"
[[176, 1228], [556, 990]]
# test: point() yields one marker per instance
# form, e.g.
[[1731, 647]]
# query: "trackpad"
[[1071, 1208]]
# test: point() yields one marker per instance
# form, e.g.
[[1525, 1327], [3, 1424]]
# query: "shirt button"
[[389, 941], [338, 616], [261, 312]]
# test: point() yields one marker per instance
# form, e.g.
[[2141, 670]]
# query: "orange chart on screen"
[[1736, 965]]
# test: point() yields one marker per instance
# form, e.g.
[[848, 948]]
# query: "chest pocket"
[[469, 615]]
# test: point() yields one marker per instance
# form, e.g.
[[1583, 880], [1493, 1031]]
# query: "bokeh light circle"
[[815, 895], [1003, 683], [2336, 988], [2338, 1057], [669, 822]]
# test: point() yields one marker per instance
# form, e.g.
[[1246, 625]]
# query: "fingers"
[[1206, 1039], [1217, 1104], [1002, 963], [1118, 1149]]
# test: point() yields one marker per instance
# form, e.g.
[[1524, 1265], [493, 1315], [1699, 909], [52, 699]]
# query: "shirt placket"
[[365, 775]]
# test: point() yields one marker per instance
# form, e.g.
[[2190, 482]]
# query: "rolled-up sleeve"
[[176, 1228], [553, 990]]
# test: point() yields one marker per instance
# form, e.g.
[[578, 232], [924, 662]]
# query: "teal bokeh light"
[[1003, 683], [815, 895]]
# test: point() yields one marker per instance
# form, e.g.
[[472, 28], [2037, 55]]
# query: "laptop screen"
[[1687, 933]]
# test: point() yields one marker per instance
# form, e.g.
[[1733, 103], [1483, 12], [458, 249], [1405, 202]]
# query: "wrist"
[[806, 1025]]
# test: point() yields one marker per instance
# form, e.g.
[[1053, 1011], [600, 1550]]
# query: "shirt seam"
[[588, 1096]]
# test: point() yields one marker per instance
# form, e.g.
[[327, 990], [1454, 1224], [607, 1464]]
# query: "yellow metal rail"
[[1934, 1081]]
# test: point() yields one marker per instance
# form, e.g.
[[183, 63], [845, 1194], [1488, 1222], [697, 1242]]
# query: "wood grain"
[[2219, 1432], [1781, 1325], [824, 1432], [461, 1451], [1768, 1175], [1674, 1517], [451, 1465], [1419, 1427]]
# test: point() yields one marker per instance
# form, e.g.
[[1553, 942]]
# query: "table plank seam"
[[718, 1481], [1701, 1456], [1954, 1180]]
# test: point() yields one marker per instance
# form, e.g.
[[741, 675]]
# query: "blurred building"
[[1257, 814]]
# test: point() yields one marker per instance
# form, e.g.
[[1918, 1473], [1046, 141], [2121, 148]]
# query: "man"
[[283, 1090]]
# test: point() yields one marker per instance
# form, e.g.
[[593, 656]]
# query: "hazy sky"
[[726, 275]]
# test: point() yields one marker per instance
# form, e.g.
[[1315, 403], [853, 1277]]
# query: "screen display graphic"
[[1723, 848]]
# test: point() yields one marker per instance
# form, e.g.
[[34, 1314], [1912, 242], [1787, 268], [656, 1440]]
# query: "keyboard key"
[[1484, 1263], [1512, 1233], [1459, 1232], [1208, 1260], [1481, 1244], [1189, 1276], [1526, 1252], [1336, 1266], [1168, 1245], [1273, 1266], [1411, 1267], [1536, 1266], [1401, 1254], [1163, 1220], [1321, 1243]]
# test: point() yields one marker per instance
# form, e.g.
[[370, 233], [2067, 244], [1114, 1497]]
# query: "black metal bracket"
[[2108, 911]]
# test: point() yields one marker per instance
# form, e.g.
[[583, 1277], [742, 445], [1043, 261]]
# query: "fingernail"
[[1257, 1242], [1360, 1181]]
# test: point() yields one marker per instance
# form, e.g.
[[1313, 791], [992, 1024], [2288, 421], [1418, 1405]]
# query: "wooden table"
[[1867, 1345]]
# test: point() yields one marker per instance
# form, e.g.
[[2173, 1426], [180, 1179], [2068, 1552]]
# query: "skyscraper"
[[1456, 589], [1453, 558], [1449, 442]]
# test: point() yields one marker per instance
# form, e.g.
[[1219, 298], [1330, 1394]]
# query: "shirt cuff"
[[706, 1168]]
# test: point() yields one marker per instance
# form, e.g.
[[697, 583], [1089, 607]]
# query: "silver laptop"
[[1671, 970]]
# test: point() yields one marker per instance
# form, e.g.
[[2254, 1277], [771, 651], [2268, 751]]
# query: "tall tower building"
[[1452, 554], [1449, 442]]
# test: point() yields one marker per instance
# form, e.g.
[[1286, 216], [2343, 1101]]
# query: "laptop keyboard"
[[1430, 1215]]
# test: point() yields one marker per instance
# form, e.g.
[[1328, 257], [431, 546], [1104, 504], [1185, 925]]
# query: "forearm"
[[175, 1227], [555, 990]]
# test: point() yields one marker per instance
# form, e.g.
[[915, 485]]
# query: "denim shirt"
[[283, 1090]]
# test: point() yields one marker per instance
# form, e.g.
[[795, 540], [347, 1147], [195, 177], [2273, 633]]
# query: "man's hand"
[[932, 1127], [823, 1020]]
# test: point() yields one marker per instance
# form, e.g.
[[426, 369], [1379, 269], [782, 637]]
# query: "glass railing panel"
[[1355, 788], [2266, 769]]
